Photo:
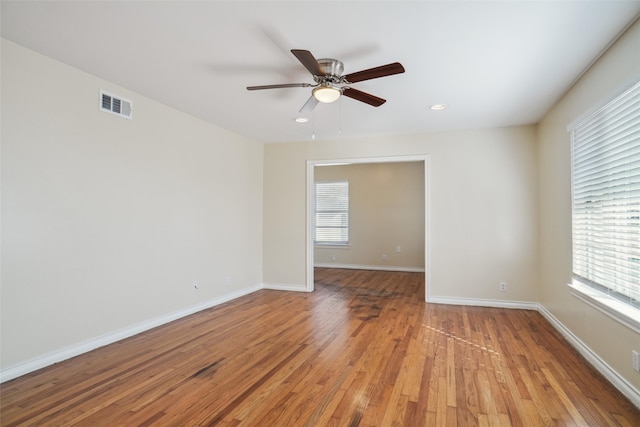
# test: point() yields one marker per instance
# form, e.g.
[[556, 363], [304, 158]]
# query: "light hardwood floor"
[[362, 350]]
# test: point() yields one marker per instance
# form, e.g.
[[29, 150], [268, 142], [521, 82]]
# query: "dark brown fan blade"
[[285, 85], [307, 59], [374, 73], [363, 96]]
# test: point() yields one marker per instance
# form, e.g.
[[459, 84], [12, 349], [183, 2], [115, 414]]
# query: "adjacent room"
[[295, 213]]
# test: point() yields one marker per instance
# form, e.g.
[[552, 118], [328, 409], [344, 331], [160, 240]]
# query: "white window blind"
[[332, 212], [606, 198]]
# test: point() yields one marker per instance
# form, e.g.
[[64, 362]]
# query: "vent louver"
[[115, 105]]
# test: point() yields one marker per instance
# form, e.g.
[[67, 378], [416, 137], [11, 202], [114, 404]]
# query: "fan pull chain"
[[340, 118]]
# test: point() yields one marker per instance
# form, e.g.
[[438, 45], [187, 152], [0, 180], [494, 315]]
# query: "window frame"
[[597, 295], [336, 243]]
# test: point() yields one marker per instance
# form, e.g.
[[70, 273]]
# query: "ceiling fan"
[[330, 84]]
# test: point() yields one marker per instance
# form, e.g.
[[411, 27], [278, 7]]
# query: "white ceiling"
[[500, 63]]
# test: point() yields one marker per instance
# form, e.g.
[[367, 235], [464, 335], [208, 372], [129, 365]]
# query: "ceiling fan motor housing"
[[332, 69]]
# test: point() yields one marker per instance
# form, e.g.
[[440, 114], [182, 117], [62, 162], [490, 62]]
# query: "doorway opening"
[[310, 222]]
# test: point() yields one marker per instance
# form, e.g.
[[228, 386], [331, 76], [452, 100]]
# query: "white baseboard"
[[370, 267], [618, 381], [48, 359], [522, 305], [279, 287]]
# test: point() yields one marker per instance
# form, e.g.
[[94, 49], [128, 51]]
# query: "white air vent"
[[115, 105]]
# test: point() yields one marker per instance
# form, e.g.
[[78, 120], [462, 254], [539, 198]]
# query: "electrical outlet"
[[503, 286], [384, 257], [398, 249], [333, 257], [636, 360], [229, 280], [195, 286]]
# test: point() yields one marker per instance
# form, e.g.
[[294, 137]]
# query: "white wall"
[[386, 211], [610, 340], [106, 222], [483, 208]]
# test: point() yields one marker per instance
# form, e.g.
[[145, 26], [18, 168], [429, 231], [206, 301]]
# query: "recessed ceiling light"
[[301, 120], [437, 107]]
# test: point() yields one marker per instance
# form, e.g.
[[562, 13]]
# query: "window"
[[332, 212], [606, 200]]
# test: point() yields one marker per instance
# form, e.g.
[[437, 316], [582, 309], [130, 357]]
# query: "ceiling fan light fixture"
[[327, 94]]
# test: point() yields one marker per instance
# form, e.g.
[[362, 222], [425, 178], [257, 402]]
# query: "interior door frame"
[[311, 164]]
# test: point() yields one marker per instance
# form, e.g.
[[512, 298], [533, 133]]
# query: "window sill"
[[332, 245], [618, 310]]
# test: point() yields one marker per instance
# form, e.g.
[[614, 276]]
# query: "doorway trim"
[[311, 164]]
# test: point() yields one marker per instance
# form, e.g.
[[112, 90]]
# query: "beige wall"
[[612, 341], [386, 210], [106, 222], [482, 208]]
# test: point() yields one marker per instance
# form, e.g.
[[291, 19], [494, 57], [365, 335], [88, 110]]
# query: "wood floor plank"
[[362, 350]]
